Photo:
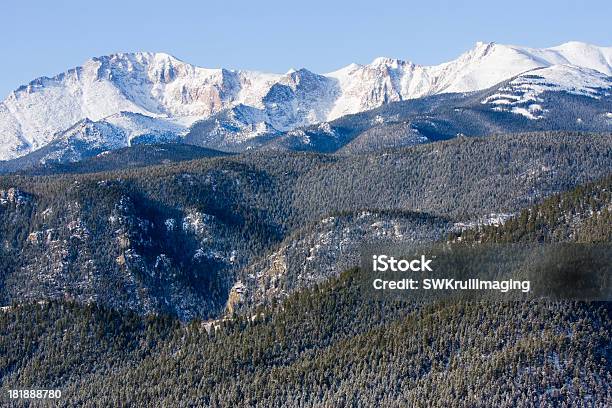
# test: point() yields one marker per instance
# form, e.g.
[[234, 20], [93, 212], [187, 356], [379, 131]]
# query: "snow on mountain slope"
[[140, 128], [170, 95], [234, 129], [522, 95], [585, 55], [385, 80], [84, 139], [88, 138], [155, 85], [389, 80], [299, 98]]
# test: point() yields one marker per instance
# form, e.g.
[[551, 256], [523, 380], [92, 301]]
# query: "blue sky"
[[48, 37]]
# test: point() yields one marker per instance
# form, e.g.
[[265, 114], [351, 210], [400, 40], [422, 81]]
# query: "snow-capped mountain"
[[156, 85], [555, 98], [387, 80], [522, 95], [155, 94]]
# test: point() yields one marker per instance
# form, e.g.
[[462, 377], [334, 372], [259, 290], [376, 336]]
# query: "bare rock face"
[[235, 298], [13, 196], [320, 251]]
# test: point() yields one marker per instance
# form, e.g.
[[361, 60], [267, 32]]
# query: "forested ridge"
[[330, 345], [172, 238], [323, 347], [583, 214]]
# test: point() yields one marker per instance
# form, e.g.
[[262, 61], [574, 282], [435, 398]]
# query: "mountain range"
[[126, 99]]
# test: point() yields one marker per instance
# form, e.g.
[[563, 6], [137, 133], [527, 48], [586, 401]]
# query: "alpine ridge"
[[148, 97]]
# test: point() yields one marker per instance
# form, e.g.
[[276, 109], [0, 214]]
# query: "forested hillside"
[[583, 214], [140, 155], [331, 345], [171, 238], [323, 249], [323, 347]]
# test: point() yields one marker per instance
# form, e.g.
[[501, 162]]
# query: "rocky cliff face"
[[323, 250], [115, 252]]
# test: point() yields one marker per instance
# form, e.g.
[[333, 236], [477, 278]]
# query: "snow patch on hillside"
[[522, 94]]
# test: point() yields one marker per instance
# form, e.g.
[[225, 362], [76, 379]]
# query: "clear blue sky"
[[48, 37]]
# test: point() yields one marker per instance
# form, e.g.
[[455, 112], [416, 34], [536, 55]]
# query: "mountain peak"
[[570, 44], [484, 44], [387, 62], [138, 55], [482, 48]]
